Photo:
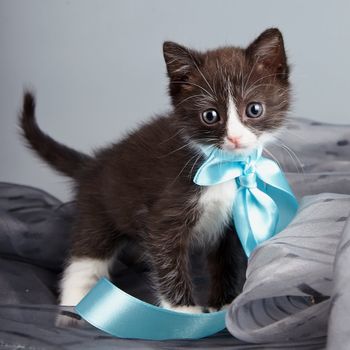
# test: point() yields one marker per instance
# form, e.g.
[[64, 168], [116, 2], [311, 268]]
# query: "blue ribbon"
[[264, 205], [121, 315]]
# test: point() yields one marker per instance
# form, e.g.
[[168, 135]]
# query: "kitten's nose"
[[236, 140]]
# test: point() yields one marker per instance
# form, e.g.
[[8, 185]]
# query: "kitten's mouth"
[[239, 145]]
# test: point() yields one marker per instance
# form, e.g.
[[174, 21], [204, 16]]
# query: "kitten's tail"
[[64, 159]]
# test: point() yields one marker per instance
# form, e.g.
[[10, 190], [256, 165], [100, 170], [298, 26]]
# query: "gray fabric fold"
[[293, 282], [339, 320]]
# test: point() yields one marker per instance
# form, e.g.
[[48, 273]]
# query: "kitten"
[[142, 187]]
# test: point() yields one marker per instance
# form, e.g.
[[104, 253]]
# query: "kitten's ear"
[[180, 61], [268, 51]]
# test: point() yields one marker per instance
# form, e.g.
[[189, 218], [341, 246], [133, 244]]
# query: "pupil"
[[255, 109], [210, 116]]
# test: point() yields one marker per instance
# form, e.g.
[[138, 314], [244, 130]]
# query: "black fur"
[[142, 188]]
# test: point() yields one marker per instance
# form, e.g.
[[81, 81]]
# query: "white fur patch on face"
[[181, 308], [216, 205], [237, 131], [79, 277]]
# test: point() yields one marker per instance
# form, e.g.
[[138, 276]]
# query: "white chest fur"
[[215, 205]]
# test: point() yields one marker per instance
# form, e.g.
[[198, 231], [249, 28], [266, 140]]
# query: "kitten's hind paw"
[[191, 309]]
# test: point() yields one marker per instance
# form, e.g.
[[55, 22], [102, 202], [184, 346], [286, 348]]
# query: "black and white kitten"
[[142, 187]]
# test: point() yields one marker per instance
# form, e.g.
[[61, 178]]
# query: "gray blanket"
[[297, 289]]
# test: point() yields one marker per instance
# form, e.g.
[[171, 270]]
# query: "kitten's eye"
[[211, 116], [254, 110]]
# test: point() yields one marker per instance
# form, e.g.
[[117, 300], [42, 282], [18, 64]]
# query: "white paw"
[[79, 277], [182, 308], [214, 309]]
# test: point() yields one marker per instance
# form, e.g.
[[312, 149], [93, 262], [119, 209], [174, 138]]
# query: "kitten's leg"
[[168, 248], [94, 245], [227, 265], [80, 275], [173, 281]]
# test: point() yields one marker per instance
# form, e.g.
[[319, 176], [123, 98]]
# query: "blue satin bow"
[[264, 203]]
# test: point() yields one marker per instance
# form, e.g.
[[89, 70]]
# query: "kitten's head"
[[231, 97]]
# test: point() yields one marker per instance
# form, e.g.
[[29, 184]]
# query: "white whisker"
[[205, 79], [183, 168], [295, 135], [193, 84], [264, 77], [297, 162], [249, 75], [195, 162], [187, 98], [176, 150], [172, 136], [273, 157]]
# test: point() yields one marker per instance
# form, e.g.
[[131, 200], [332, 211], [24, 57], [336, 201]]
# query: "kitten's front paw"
[[215, 309], [193, 309]]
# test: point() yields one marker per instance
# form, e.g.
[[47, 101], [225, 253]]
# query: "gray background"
[[98, 71]]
